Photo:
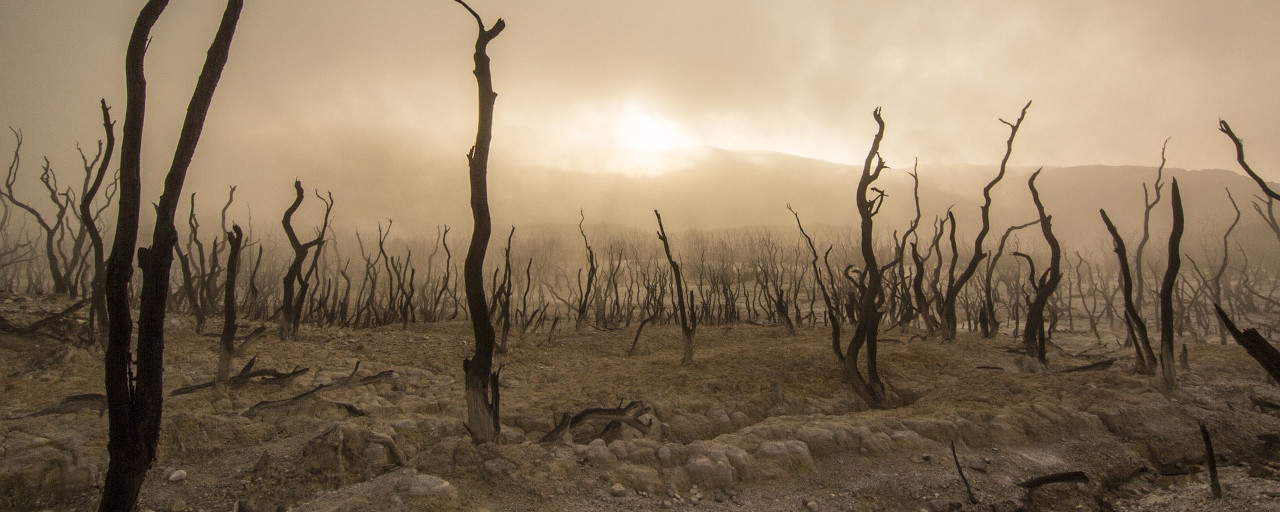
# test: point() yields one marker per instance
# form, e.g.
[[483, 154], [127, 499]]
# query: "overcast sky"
[[351, 94]]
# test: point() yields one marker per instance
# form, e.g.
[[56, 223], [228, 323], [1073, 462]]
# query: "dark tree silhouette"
[[97, 303], [954, 286], [293, 299], [1136, 326], [1035, 337], [226, 344], [1168, 372], [688, 319], [135, 390], [869, 289], [481, 381]]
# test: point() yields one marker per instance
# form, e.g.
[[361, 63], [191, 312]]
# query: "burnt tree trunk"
[[481, 381], [97, 302], [226, 345], [955, 285], [1136, 326], [1035, 337], [688, 319], [870, 290], [1168, 372], [135, 393]]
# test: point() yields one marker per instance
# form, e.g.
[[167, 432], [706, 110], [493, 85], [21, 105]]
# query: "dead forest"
[[1136, 300]]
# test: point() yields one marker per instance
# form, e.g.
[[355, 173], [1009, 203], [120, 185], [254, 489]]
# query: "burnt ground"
[[760, 421]]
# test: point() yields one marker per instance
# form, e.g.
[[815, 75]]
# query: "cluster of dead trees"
[[920, 277]]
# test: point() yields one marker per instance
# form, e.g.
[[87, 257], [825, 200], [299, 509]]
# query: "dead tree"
[[1139, 276], [226, 345], [955, 285], [50, 227], [481, 382], [292, 300], [988, 323], [1167, 369], [868, 294], [1034, 337], [584, 292], [688, 318], [135, 390], [1258, 348], [97, 304], [1145, 358]]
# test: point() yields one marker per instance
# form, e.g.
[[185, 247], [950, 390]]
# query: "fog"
[[375, 102]]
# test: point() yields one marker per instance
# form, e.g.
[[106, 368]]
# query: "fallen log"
[[1099, 365], [616, 417], [1253, 343], [268, 376], [71, 404]]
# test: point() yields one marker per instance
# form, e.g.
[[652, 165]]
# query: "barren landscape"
[[676, 267], [761, 421]]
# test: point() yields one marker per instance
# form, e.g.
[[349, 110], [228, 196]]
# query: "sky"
[[375, 99]]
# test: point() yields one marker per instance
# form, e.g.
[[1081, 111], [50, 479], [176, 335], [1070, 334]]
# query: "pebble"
[[178, 475], [618, 490], [811, 506]]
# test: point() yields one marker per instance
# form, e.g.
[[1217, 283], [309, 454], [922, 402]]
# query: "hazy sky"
[[379, 93]]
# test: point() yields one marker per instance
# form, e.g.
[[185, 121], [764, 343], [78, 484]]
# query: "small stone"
[[666, 503], [618, 490], [694, 499], [926, 457], [811, 506], [178, 475], [178, 505]]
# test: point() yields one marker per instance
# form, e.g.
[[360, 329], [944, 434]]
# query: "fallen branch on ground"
[[616, 417]]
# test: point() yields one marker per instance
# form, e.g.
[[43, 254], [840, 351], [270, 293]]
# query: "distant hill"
[[721, 189]]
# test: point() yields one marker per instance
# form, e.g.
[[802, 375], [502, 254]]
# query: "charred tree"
[[135, 390], [584, 292], [869, 290], [684, 311], [481, 380], [1168, 372], [1035, 338], [295, 285], [226, 345], [1135, 325], [955, 285], [97, 303]]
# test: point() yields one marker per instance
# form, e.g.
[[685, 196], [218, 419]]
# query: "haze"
[[375, 100]]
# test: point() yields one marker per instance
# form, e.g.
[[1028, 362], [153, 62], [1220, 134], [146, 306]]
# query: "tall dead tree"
[[226, 344], [1139, 276], [135, 390], [688, 318], [295, 285], [1167, 369], [481, 381], [1035, 337], [97, 303], [1145, 358], [53, 227], [584, 292], [954, 286], [868, 294], [1263, 352]]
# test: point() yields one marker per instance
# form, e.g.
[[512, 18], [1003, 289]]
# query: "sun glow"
[[637, 129]]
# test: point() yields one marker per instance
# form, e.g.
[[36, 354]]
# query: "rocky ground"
[[760, 421]]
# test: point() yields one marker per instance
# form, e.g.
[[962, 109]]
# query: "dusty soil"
[[760, 421]]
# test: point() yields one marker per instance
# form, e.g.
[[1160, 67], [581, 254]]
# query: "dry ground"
[[760, 421]]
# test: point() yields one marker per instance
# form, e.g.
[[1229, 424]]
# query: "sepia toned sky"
[[360, 95]]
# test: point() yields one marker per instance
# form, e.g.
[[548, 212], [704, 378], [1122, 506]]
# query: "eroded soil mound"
[[760, 421]]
